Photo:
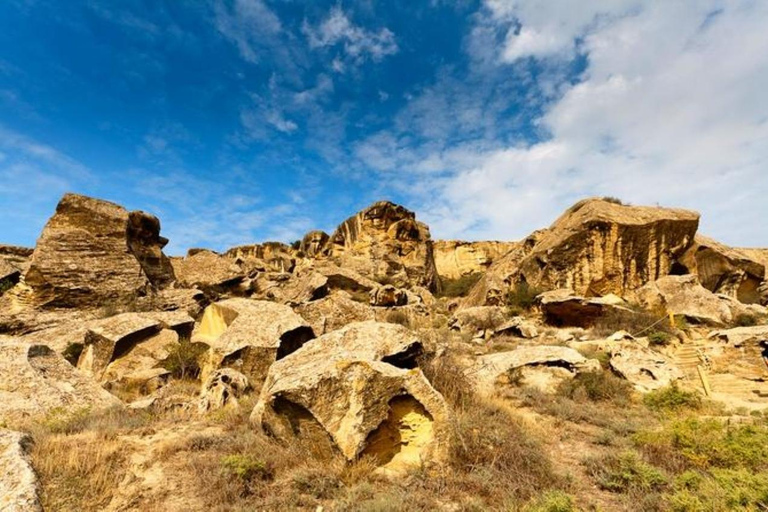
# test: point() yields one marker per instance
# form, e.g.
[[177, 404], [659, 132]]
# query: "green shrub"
[[183, 360], [614, 200], [659, 339], [460, 286], [721, 489], [245, 468], [672, 398], [397, 317], [551, 501], [624, 473], [522, 297], [72, 353], [5, 285], [746, 320], [596, 386]]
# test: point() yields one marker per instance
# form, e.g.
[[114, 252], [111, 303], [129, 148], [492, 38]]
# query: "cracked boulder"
[[644, 368], [207, 271], [540, 366], [221, 389], [19, 487], [35, 380], [357, 392], [334, 312], [684, 295], [249, 335]]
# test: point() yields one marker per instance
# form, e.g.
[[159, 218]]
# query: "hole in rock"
[[678, 269], [406, 359], [401, 439], [292, 341]]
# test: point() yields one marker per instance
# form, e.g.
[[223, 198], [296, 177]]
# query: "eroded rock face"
[[272, 256], [684, 295], [82, 259], [221, 389], [249, 335], [646, 369], [18, 482], [356, 391], [562, 308], [313, 243], [540, 366], [725, 270], [334, 312], [385, 240], [595, 248], [455, 258], [388, 296], [34, 380], [208, 271], [146, 244]]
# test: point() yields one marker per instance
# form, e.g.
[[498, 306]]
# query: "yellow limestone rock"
[[455, 258]]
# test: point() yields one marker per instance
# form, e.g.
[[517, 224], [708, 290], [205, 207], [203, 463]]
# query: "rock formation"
[[274, 256], [207, 271], [356, 391], [455, 258], [313, 243], [146, 244], [684, 295], [385, 241], [18, 482], [249, 335], [646, 369], [221, 389], [34, 380]]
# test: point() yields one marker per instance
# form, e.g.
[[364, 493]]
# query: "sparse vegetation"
[[635, 321], [460, 286], [747, 320], [614, 200], [659, 338], [5, 285], [672, 398], [596, 386], [396, 316], [183, 360], [521, 298], [625, 472]]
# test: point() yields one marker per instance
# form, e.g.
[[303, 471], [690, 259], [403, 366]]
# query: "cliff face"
[[384, 241], [455, 258]]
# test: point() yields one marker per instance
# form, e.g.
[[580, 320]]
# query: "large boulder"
[[539, 366], [87, 256], [249, 335], [146, 244], [684, 295], [562, 308], [740, 336], [354, 391], [208, 271], [645, 369], [455, 258], [385, 241], [273, 256], [725, 270], [599, 247], [35, 380], [18, 482], [334, 312]]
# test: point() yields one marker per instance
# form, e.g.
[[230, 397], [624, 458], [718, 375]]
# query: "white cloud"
[[670, 110], [250, 24], [358, 42]]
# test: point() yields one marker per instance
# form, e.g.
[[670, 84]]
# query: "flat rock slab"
[[18, 482]]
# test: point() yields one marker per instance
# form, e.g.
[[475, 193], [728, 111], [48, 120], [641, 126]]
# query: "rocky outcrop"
[[385, 241], [35, 380], [271, 256], [86, 256], [304, 285], [595, 248], [249, 335], [313, 243], [725, 270], [542, 367], [14, 261], [684, 295], [221, 389], [146, 244], [455, 258], [646, 369], [334, 312], [562, 308], [740, 336], [18, 482], [388, 296], [355, 391], [207, 271]]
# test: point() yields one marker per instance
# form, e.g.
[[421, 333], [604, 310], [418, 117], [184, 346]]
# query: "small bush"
[[614, 200], [245, 468], [746, 320], [722, 489], [596, 386], [460, 286], [183, 360], [72, 353], [447, 376], [522, 297], [659, 339], [551, 501], [5, 285], [624, 473], [672, 398], [397, 317]]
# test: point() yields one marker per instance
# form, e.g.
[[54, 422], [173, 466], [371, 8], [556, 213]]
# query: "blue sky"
[[238, 121]]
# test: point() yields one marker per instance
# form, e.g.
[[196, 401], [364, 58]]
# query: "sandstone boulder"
[[478, 320], [313, 243], [684, 295], [385, 241], [562, 308], [15, 257], [352, 391], [141, 366], [595, 248], [18, 482], [454, 258], [146, 244], [208, 271], [221, 389], [302, 286], [86, 257], [388, 296], [334, 312], [540, 366], [270, 256], [740, 336], [34, 380], [249, 335], [517, 326], [725, 270], [646, 369]]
